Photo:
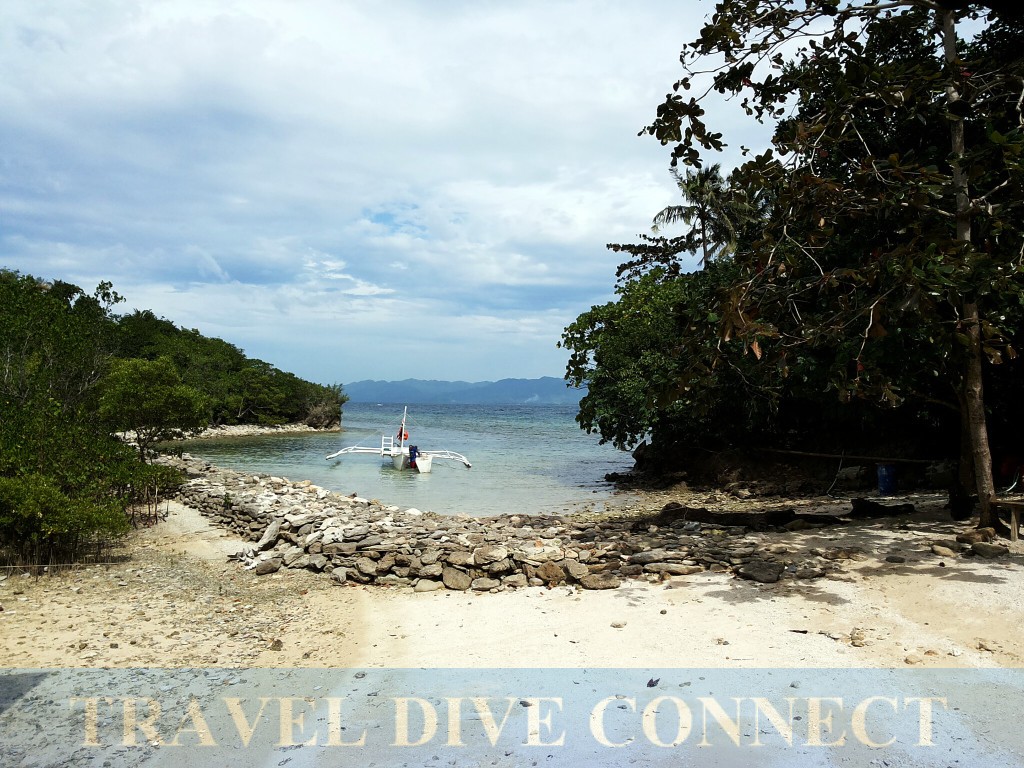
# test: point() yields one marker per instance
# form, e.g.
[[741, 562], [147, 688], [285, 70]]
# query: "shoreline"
[[176, 600], [256, 430]]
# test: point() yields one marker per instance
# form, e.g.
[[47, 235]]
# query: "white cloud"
[[340, 187]]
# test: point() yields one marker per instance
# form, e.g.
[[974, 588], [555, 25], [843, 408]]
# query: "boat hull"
[[401, 455]]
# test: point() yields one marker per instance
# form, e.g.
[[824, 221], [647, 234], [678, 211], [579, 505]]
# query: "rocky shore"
[[297, 525], [252, 430], [841, 595]]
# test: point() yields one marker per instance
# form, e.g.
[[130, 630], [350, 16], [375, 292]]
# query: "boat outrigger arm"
[[403, 455]]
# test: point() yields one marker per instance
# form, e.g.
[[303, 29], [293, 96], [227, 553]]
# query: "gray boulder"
[[453, 578], [600, 581], [269, 537], [761, 571], [270, 565]]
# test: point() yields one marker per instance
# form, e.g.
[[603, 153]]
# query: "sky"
[[348, 190]]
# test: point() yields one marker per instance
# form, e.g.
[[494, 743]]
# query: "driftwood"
[[867, 509], [675, 513], [850, 457]]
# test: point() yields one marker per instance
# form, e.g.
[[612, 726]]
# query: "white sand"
[[179, 602]]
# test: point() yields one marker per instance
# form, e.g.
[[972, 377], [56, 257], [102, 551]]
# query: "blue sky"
[[348, 190]]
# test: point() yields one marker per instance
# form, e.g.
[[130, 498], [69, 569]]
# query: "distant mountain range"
[[544, 391]]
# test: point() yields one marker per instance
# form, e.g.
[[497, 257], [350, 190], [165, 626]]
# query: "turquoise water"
[[529, 459]]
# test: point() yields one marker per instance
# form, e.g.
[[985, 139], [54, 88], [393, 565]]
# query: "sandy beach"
[[176, 600], [171, 634]]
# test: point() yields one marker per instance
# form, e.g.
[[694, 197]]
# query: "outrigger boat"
[[403, 455]]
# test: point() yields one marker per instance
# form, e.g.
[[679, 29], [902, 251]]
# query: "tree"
[[882, 232], [238, 389], [148, 398], [65, 482], [707, 210]]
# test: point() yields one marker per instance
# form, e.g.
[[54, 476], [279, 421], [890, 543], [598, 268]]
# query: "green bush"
[[40, 523]]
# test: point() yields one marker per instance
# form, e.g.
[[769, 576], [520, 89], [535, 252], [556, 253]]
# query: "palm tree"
[[708, 211]]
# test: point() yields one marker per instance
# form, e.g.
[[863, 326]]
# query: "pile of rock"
[[300, 525]]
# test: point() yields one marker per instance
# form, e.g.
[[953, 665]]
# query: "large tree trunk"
[[973, 398], [974, 401]]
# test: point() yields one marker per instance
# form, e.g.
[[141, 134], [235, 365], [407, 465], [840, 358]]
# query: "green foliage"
[[238, 389], [65, 481], [148, 398], [863, 244], [38, 520], [709, 209], [655, 368], [72, 372]]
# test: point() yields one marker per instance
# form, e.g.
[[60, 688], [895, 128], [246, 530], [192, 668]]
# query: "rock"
[[978, 534], [430, 556], [339, 576], [484, 584], [551, 573], [650, 556], [404, 560], [460, 558], [515, 580], [340, 548], [427, 585], [357, 532], [761, 571], [270, 565], [673, 569], [453, 578], [366, 566], [489, 554], [353, 574], [299, 519], [393, 580], [843, 553], [984, 549], [292, 555], [499, 567], [539, 554], [600, 581], [576, 569], [809, 573], [269, 537], [942, 551], [317, 562], [432, 571], [913, 658]]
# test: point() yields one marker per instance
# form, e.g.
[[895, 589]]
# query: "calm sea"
[[530, 459]]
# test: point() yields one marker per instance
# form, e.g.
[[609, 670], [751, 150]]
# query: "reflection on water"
[[525, 459]]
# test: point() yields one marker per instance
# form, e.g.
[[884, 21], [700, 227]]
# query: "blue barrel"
[[886, 479]]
